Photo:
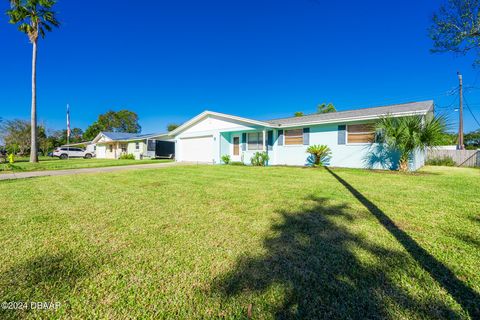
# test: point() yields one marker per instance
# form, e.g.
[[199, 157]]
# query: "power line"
[[471, 112]]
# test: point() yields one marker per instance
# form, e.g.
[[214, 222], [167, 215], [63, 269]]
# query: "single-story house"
[[349, 134], [111, 145]]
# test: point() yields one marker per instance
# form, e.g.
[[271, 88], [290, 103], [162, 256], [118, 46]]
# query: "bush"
[[259, 159], [226, 159], [127, 156], [237, 163], [320, 153], [445, 161]]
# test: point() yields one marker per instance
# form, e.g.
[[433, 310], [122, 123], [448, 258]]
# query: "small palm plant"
[[406, 135], [321, 153], [34, 18]]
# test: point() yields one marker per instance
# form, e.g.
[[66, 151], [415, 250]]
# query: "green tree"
[[320, 153], [34, 18], [326, 108], [405, 135], [16, 135], [472, 139], [456, 27], [114, 121], [172, 126], [298, 114]]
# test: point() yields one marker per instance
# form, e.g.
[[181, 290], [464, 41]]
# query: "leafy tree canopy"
[[172, 126], [114, 121], [456, 27], [298, 114], [326, 108]]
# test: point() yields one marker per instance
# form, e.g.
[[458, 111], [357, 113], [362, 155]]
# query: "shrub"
[[259, 159], [321, 154], [226, 159], [11, 158], [445, 161], [127, 156]]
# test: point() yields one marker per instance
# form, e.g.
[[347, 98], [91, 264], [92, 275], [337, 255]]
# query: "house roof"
[[396, 110], [125, 136], [410, 108], [220, 115]]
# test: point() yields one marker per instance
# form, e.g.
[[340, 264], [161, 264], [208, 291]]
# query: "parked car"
[[68, 152]]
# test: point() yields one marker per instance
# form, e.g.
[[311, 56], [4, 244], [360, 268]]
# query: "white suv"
[[68, 152]]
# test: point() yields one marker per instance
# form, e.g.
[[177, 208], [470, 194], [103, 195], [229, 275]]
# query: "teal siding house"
[[349, 134]]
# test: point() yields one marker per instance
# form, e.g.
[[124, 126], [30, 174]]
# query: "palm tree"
[[34, 18], [406, 135], [321, 154]]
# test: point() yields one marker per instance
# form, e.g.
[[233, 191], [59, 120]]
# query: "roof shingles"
[[413, 107]]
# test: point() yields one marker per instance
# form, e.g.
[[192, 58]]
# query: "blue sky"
[[170, 60]]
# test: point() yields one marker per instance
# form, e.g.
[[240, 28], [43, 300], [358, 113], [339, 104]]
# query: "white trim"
[[217, 114]]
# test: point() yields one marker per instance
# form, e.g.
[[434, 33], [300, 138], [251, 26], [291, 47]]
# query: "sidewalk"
[[22, 175]]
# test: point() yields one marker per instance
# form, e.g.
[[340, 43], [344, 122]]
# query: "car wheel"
[[63, 156], [88, 156]]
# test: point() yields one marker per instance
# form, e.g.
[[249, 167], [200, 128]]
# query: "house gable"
[[213, 123]]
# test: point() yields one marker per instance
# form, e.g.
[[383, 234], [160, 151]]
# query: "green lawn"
[[226, 242], [47, 163]]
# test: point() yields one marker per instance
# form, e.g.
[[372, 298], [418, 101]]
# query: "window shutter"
[[280, 138], [244, 141], [306, 136], [270, 140], [342, 134]]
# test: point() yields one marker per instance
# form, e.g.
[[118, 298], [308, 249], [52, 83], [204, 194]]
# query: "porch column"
[[264, 140]]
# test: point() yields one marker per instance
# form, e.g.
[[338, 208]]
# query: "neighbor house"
[[112, 145], [349, 134]]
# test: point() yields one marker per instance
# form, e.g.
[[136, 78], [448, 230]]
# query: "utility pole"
[[460, 113]]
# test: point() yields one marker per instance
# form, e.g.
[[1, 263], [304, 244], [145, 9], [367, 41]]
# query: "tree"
[[456, 27], [172, 126], [472, 140], [114, 121], [34, 18], [320, 153], [16, 135], [298, 114], [326, 108], [406, 135]]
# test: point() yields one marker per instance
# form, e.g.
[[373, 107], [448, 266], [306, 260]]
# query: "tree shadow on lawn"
[[468, 298], [313, 258], [46, 278]]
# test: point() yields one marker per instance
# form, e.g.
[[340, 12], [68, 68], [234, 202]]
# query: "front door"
[[236, 148]]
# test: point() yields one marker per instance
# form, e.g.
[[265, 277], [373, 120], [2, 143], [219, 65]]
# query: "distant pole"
[[68, 131], [460, 113]]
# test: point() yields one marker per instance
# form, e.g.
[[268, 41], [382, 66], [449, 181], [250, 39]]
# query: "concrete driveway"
[[22, 175]]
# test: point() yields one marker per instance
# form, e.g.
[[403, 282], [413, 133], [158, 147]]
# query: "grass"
[[47, 163], [230, 241]]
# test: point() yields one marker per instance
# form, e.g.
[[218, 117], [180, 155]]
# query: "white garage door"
[[101, 152], [198, 149]]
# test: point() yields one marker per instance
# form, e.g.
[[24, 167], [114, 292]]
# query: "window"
[[294, 137], [137, 145], [95, 148], [110, 147], [361, 133], [123, 146], [151, 145], [255, 141]]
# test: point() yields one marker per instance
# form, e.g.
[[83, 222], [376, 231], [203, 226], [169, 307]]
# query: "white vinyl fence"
[[462, 158]]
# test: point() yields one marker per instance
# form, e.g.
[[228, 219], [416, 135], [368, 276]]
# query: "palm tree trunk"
[[33, 121]]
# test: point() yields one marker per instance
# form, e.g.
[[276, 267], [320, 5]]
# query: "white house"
[[111, 145], [349, 134]]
